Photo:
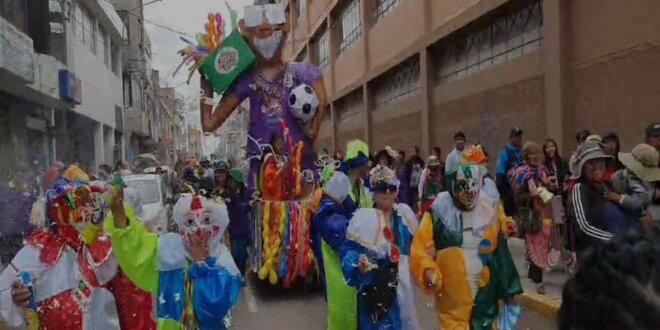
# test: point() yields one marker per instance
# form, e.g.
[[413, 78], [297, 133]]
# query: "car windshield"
[[147, 189]]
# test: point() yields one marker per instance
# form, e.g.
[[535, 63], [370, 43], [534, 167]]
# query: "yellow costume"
[[461, 241]]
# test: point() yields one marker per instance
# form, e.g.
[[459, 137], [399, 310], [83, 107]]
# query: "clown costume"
[[328, 234], [191, 272], [374, 258], [76, 284], [460, 255]]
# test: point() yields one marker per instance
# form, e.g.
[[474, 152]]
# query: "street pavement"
[[264, 308]]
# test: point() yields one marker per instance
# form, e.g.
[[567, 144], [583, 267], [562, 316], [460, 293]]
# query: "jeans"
[[239, 247]]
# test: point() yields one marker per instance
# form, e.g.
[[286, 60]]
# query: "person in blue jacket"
[[509, 157]]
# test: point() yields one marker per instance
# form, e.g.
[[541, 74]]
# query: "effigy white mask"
[[268, 46]]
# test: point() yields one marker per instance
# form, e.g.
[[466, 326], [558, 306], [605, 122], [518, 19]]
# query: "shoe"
[[540, 288]]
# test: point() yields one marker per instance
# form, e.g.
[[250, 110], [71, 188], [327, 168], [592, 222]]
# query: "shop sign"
[[16, 52], [70, 87]]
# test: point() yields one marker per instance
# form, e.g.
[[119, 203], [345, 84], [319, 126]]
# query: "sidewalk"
[[548, 304]]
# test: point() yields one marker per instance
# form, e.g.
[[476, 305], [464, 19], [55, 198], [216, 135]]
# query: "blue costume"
[[365, 237]]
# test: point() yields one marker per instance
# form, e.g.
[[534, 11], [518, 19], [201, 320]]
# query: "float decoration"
[[222, 57], [285, 245]]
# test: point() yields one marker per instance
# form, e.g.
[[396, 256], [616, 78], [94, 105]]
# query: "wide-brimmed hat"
[[432, 161], [643, 162], [586, 152]]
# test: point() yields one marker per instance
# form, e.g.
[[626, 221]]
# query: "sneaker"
[[540, 288]]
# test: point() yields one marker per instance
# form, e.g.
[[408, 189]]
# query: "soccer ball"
[[303, 103]]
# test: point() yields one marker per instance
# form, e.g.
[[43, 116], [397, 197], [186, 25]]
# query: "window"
[[105, 47], [349, 105], [114, 58], [384, 7], [511, 31], [351, 26], [95, 38], [322, 50], [78, 22], [87, 28], [399, 82]]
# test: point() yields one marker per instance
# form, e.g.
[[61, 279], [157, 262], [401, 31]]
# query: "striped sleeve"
[[582, 219]]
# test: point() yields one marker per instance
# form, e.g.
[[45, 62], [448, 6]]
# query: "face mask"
[[268, 46], [198, 224]]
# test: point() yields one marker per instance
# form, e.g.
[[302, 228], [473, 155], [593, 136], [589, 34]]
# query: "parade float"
[[286, 103]]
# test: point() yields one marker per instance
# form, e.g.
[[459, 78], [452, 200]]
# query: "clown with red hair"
[[76, 283]]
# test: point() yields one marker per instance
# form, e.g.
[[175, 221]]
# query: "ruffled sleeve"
[[135, 249], [215, 291], [421, 258]]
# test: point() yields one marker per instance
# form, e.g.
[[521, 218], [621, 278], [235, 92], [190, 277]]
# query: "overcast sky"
[[187, 16]]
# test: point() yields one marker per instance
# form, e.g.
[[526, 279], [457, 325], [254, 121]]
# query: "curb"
[[541, 304]]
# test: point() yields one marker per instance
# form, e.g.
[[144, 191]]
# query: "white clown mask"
[[199, 217]]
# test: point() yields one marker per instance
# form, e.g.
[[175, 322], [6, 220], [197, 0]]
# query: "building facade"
[[413, 72], [141, 104], [59, 86], [95, 33]]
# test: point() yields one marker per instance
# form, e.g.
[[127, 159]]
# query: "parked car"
[[156, 200]]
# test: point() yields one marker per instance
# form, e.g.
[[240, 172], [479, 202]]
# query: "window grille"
[[322, 50], [399, 82], [384, 7], [351, 26], [509, 33]]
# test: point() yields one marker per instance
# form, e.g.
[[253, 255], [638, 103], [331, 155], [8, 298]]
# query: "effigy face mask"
[[268, 46]]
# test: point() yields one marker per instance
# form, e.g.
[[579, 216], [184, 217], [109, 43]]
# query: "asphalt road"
[[260, 308]]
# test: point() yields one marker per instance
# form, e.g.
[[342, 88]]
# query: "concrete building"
[[194, 145], [413, 72], [171, 119], [231, 136], [95, 34], [58, 82], [139, 90]]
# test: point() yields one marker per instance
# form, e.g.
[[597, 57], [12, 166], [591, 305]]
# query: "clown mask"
[[198, 218], [464, 186]]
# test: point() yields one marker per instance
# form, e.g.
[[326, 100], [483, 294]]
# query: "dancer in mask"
[[270, 88], [460, 256], [191, 272], [75, 281], [374, 258], [342, 195]]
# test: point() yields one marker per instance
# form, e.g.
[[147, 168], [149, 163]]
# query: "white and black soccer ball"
[[303, 103]]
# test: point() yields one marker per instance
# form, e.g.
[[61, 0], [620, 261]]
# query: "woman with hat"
[[595, 216], [374, 258], [633, 185], [530, 183]]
